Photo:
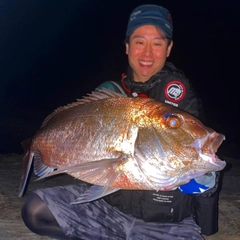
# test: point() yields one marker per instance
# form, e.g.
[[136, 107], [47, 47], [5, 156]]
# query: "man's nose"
[[147, 50]]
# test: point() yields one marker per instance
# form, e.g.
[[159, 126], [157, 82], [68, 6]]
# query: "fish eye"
[[173, 122]]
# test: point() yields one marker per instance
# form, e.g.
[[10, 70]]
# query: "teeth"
[[146, 63]]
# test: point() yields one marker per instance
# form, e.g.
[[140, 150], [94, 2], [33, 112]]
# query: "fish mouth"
[[217, 141], [207, 148], [208, 144], [213, 142]]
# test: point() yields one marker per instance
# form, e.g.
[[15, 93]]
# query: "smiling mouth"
[[144, 63]]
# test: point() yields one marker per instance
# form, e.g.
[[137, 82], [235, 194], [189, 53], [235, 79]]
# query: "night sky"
[[55, 51]]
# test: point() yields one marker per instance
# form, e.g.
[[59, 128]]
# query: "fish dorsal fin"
[[101, 94], [94, 96]]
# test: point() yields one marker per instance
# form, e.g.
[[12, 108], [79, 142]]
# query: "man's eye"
[[157, 44], [139, 41]]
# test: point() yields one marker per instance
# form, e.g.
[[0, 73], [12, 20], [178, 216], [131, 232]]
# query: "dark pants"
[[98, 220]]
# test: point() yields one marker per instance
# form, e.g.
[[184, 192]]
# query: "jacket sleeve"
[[108, 85], [179, 92]]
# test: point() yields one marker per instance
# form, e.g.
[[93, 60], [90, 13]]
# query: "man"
[[135, 214]]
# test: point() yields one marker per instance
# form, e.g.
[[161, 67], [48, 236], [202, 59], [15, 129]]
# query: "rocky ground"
[[12, 227]]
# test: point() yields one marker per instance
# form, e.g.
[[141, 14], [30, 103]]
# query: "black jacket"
[[172, 87]]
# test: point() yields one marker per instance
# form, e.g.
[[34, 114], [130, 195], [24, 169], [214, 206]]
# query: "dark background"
[[55, 51]]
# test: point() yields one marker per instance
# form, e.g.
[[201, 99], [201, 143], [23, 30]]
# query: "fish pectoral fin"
[[93, 193], [103, 167]]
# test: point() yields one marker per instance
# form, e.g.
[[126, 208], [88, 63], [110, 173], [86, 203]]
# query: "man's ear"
[[169, 48], [127, 48]]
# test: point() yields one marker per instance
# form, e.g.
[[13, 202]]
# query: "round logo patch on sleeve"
[[175, 91]]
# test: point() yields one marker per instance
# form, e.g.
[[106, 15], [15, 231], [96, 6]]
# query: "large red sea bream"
[[116, 142]]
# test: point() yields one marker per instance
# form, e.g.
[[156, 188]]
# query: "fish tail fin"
[[26, 165], [40, 169]]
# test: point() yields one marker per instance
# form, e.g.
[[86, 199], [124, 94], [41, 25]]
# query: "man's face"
[[147, 52]]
